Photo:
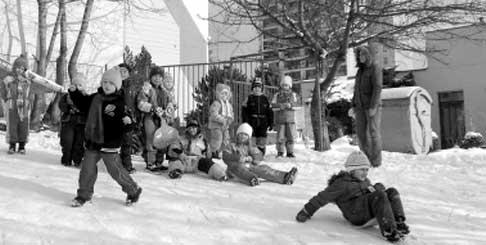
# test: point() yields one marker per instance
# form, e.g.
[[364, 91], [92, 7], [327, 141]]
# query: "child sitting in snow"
[[192, 153], [104, 127], [359, 201], [244, 160]]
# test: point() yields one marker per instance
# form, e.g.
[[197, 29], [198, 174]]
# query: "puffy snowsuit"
[[283, 102], [220, 118]]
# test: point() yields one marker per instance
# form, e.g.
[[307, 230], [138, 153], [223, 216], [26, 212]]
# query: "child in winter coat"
[[156, 103], [359, 201], [283, 103], [257, 112], [74, 108], [192, 153], [16, 92], [244, 161], [220, 118], [104, 127]]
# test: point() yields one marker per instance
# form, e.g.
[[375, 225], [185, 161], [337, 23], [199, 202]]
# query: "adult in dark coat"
[[359, 200], [367, 106], [257, 112]]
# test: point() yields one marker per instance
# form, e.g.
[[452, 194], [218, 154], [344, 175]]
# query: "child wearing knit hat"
[[106, 120], [359, 200], [244, 161], [257, 112], [283, 103]]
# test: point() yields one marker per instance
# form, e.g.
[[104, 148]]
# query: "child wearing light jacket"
[[283, 103], [244, 161], [220, 118], [192, 153], [359, 200]]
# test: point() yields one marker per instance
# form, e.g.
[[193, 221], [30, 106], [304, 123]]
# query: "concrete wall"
[[461, 67]]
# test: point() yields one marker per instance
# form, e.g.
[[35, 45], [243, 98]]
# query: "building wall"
[[461, 67], [229, 41]]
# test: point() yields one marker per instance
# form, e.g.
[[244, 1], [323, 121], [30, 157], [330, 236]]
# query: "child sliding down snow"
[[243, 161], [359, 201]]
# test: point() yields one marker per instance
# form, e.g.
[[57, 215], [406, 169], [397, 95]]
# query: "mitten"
[[379, 187], [302, 216]]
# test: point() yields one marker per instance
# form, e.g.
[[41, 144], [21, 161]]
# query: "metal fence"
[[187, 76]]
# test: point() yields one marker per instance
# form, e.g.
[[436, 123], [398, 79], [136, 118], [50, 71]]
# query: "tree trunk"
[[53, 38], [79, 42], [10, 34], [39, 100], [318, 118], [53, 112], [21, 28]]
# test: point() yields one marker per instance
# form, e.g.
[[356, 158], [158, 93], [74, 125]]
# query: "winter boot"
[[131, 170], [289, 177], [280, 154], [131, 199], [392, 236], [11, 148], [290, 155], [175, 174], [22, 147], [403, 228], [78, 202], [254, 181]]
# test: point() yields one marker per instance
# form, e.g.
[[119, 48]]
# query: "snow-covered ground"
[[444, 194]]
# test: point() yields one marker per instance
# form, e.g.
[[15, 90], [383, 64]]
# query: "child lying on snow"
[[243, 161], [359, 201]]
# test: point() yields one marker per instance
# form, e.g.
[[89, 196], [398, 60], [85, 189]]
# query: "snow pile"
[[443, 195]]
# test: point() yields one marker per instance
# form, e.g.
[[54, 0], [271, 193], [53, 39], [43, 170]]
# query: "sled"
[[165, 135]]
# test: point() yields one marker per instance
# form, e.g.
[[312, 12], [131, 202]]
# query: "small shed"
[[406, 120]]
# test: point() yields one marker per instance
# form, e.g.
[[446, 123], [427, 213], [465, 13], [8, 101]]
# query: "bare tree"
[[53, 113], [21, 27], [9, 30], [79, 42], [328, 28]]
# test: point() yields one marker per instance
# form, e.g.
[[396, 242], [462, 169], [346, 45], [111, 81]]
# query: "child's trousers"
[[89, 173], [257, 171], [386, 206]]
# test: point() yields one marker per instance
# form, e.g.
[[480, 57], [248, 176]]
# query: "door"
[[452, 126]]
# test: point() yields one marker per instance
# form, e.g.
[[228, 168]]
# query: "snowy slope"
[[444, 196]]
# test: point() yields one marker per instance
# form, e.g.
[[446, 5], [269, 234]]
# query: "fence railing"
[[187, 76]]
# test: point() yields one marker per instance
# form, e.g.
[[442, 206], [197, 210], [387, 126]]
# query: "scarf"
[[94, 131]]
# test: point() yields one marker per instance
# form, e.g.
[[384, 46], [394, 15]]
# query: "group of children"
[[104, 119]]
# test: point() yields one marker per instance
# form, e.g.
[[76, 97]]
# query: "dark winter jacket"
[[131, 87], [257, 112], [367, 88], [104, 125], [348, 193], [74, 107]]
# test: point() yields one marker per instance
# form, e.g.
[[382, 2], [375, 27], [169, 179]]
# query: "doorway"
[[452, 121]]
